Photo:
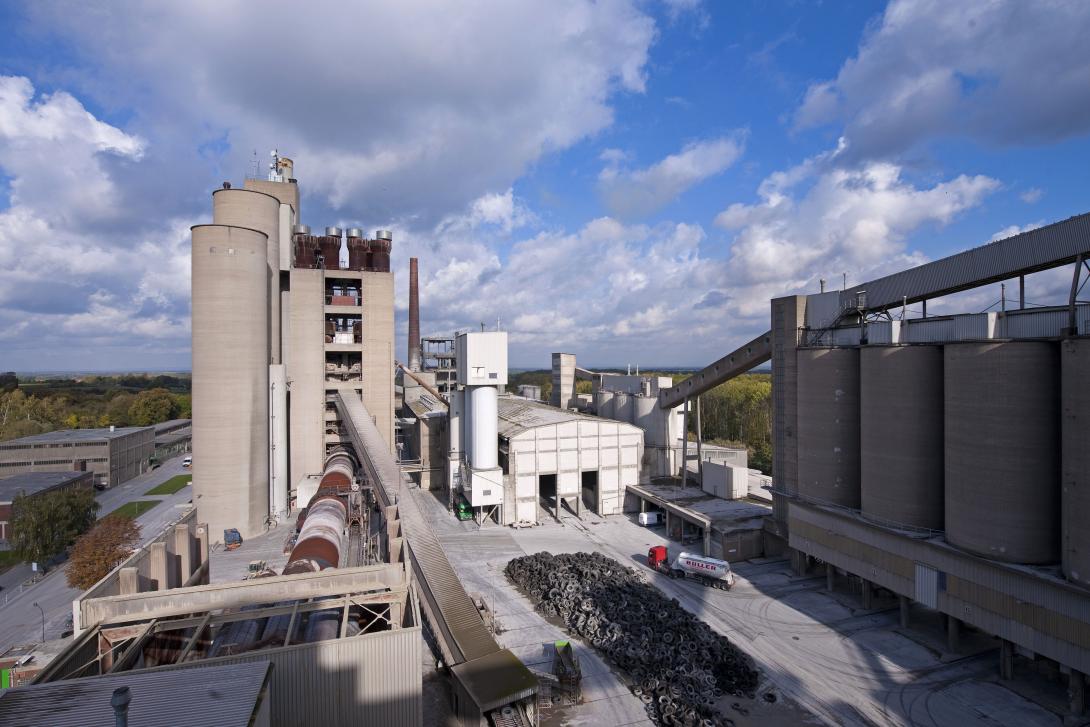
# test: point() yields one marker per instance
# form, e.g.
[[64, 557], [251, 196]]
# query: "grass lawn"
[[136, 508], [171, 486], [7, 560]]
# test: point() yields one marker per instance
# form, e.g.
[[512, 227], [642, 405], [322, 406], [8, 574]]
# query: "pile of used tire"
[[679, 667]]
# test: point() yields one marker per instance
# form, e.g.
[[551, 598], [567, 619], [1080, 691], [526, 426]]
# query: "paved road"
[[21, 621]]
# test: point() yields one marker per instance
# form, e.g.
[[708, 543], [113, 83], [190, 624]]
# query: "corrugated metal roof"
[[521, 415], [1046, 247], [213, 696]]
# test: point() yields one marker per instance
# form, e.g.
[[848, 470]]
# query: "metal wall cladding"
[[828, 425], [1001, 454], [1033, 323], [1075, 460], [901, 425], [884, 332]]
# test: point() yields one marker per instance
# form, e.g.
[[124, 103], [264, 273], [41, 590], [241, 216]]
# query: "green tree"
[[9, 381], [48, 523], [100, 550], [153, 406], [117, 409]]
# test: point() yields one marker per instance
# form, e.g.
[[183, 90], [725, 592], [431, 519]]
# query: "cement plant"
[[404, 541]]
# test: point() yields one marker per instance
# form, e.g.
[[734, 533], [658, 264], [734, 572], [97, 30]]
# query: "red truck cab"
[[656, 557]]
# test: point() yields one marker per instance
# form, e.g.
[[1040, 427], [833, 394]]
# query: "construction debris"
[[678, 666]]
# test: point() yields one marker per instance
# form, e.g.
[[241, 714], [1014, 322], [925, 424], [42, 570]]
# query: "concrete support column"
[[1076, 690], [905, 604], [183, 548], [643, 505], [395, 615], [867, 594], [128, 581], [707, 541], [798, 562], [668, 536], [160, 572], [830, 577], [953, 633], [1006, 659], [685, 443], [202, 543], [699, 448]]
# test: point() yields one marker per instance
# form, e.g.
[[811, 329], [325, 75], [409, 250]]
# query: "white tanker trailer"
[[709, 571]]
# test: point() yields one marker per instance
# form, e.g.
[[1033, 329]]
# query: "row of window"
[[12, 447], [49, 461]]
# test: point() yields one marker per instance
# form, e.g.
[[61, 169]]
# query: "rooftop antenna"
[[845, 286], [274, 167], [253, 165]]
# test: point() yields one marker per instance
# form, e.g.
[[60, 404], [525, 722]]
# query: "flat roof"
[[208, 696], [495, 680], [76, 435], [172, 424], [30, 482], [695, 504], [518, 415]]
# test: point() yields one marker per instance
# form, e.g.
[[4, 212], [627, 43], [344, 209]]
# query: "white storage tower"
[[482, 369]]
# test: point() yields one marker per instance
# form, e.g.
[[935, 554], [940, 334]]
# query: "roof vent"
[[355, 232], [332, 232], [300, 230], [384, 235]]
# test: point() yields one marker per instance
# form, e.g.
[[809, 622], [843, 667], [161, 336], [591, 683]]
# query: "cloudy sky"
[[629, 180]]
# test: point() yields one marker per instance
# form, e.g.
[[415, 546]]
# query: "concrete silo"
[[605, 401], [828, 425], [622, 406], [1002, 454], [230, 378], [647, 416], [261, 212], [901, 442], [1075, 460]]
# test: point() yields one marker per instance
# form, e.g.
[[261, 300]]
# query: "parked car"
[[187, 462]]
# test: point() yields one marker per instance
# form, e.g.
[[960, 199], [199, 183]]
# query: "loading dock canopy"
[[495, 680]]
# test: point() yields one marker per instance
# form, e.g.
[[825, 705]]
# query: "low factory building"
[[172, 438], [114, 455], [33, 484], [561, 458]]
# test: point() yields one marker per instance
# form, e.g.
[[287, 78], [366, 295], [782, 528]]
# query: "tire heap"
[[679, 667]]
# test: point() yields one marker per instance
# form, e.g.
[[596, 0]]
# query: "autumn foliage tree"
[[100, 550]]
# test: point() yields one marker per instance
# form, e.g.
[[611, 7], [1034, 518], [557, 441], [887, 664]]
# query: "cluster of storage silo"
[[962, 437], [312, 251]]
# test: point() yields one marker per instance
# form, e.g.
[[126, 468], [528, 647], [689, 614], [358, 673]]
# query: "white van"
[[647, 519], [187, 462]]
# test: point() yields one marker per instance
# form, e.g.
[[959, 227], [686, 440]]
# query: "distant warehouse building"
[[172, 438], [33, 484], [114, 455]]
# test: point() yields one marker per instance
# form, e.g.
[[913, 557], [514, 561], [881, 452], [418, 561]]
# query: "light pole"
[[43, 619]]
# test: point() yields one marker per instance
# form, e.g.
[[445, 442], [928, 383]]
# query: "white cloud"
[[630, 193], [817, 220], [1013, 230], [1032, 195], [1006, 71], [68, 272], [391, 110]]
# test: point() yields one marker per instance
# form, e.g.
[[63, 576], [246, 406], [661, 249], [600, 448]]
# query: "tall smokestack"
[[414, 317]]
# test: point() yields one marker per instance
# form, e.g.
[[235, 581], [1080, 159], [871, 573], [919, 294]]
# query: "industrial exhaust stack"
[[414, 317]]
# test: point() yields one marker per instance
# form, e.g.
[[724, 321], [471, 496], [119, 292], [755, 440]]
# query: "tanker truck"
[[709, 571]]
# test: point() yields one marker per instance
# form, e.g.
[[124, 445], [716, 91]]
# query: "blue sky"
[[628, 180]]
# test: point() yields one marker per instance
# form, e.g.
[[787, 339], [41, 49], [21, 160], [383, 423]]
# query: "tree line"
[[37, 407]]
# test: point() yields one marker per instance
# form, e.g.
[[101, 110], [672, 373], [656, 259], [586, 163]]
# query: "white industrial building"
[[557, 456]]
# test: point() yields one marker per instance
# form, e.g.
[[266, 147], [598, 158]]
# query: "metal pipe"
[[439, 397], [120, 702]]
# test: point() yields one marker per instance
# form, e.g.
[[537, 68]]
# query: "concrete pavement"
[[21, 621]]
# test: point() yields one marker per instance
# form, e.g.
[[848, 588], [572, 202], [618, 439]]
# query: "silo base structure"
[[828, 428], [900, 435], [1002, 454], [230, 379], [1075, 460]]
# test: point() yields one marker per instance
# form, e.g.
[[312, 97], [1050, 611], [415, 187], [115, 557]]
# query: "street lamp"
[[43, 619]]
